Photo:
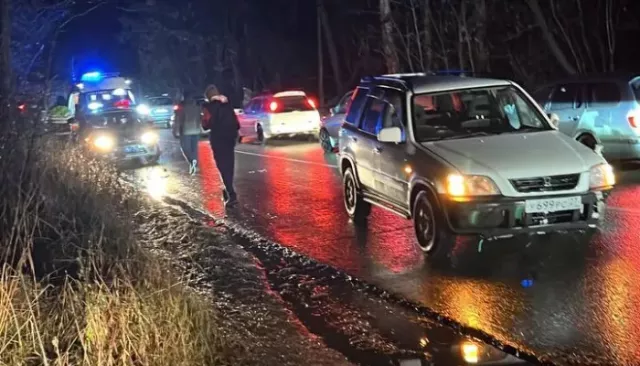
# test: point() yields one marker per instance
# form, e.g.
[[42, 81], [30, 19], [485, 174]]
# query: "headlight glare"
[[471, 185], [104, 143], [143, 109], [149, 138], [601, 176]]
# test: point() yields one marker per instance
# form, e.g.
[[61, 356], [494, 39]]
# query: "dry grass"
[[75, 289]]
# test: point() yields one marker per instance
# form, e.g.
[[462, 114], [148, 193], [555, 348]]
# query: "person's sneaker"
[[231, 203], [194, 167]]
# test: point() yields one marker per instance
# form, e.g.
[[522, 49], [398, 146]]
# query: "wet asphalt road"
[[567, 298]]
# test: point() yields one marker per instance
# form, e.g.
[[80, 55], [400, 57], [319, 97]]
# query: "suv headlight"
[[149, 138], [601, 176], [104, 143], [471, 185], [143, 109]]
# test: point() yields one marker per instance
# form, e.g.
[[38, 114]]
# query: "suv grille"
[[546, 184]]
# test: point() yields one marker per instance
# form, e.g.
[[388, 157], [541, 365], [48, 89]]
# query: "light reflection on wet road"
[[583, 306]]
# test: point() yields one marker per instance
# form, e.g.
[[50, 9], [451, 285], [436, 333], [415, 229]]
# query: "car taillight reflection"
[[124, 103]]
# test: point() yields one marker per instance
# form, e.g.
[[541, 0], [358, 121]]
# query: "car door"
[[247, 119], [370, 124], [567, 101], [391, 167], [333, 123], [606, 117]]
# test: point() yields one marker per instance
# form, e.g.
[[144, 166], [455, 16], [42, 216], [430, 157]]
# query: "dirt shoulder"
[[253, 319]]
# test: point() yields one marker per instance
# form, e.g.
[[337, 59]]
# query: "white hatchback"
[[284, 114]]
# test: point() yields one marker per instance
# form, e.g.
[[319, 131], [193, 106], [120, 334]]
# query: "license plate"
[[553, 205], [161, 111], [132, 149]]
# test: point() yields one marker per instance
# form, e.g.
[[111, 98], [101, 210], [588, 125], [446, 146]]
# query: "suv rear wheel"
[[357, 208], [432, 233]]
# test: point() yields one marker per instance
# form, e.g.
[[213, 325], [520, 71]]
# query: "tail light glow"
[[311, 103], [634, 118], [273, 106], [124, 103], [176, 107]]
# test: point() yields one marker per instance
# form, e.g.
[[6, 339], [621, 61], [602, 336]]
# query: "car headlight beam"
[[601, 176], [149, 138], [104, 143], [471, 185], [143, 109]]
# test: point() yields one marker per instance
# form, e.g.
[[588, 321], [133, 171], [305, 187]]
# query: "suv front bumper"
[[501, 216]]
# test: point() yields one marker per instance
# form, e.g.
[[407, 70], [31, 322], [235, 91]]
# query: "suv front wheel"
[[357, 208], [433, 236]]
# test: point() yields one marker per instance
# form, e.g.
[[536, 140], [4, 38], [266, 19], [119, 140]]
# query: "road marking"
[[287, 159]]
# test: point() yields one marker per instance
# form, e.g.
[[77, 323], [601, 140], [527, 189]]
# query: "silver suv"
[[465, 156], [598, 111]]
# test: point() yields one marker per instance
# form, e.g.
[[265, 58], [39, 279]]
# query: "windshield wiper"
[[464, 136]]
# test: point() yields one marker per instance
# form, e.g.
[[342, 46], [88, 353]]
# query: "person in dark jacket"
[[188, 126], [221, 120]]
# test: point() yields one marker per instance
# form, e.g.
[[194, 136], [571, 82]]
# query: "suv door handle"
[[377, 150]]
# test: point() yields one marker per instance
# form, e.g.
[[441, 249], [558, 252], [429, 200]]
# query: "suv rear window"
[[293, 103], [160, 101]]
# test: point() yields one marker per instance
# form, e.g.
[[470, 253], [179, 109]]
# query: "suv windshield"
[[114, 119], [474, 112], [294, 103]]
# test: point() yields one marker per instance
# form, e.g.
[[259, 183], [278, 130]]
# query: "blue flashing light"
[[91, 76], [526, 283]]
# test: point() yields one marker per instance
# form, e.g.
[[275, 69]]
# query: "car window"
[[373, 116], [635, 85], [357, 103], [395, 108], [344, 103], [293, 103], [603, 94], [566, 96], [474, 112], [252, 106], [542, 95], [160, 101]]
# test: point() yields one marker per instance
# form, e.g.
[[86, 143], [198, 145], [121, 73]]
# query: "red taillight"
[[273, 106], [22, 107], [124, 103], [74, 127], [175, 107], [634, 118], [311, 103]]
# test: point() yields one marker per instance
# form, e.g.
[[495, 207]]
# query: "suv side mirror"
[[555, 120], [390, 134]]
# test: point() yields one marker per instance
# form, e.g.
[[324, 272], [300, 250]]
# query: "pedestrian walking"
[[221, 120], [188, 117]]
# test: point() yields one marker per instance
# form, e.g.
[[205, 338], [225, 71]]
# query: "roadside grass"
[[75, 287]]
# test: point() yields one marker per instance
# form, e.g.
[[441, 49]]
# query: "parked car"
[[120, 136], [174, 127], [465, 156], [330, 125], [288, 113], [157, 110], [601, 111]]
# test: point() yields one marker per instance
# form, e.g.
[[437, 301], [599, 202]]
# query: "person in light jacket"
[[221, 120], [188, 116]]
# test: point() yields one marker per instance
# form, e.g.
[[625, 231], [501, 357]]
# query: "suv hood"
[[517, 155]]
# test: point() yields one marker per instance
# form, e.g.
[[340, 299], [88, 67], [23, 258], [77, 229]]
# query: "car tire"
[[355, 205], [433, 236], [325, 140]]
